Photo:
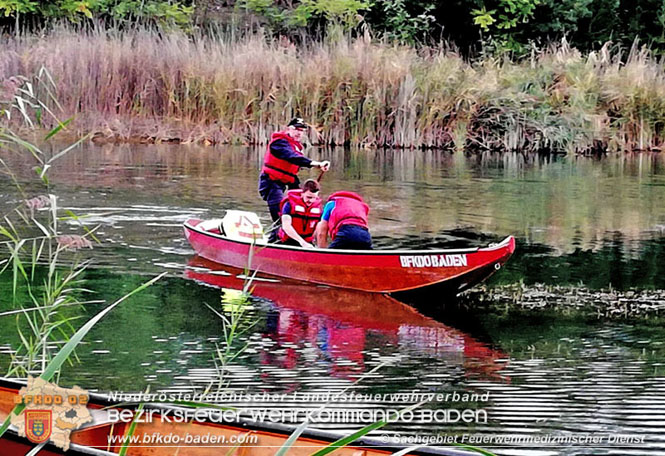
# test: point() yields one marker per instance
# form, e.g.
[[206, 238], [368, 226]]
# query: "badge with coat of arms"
[[38, 425]]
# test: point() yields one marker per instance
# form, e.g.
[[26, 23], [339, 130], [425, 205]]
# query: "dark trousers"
[[272, 192], [352, 237]]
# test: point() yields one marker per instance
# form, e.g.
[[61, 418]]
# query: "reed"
[[46, 289], [43, 318], [235, 323], [47, 279], [141, 85]]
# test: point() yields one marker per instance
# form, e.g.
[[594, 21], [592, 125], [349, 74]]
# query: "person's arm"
[[321, 234], [287, 226], [281, 149], [321, 231]]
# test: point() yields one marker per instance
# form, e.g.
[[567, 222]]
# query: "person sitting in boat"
[[301, 212], [344, 218], [282, 161]]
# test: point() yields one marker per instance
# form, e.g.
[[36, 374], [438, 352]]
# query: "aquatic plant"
[[47, 272], [52, 368], [233, 315], [41, 301], [604, 304], [44, 289]]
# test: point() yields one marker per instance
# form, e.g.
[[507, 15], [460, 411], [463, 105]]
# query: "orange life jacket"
[[303, 218], [278, 169], [350, 209]]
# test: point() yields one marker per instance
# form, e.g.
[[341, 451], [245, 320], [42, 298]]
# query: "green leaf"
[[130, 431], [67, 149], [349, 439], [56, 363], [360, 433], [83, 8], [59, 127]]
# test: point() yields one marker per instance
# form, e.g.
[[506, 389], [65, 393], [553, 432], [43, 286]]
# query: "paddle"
[[323, 170]]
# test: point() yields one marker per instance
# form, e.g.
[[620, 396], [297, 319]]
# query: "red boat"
[[398, 272], [159, 433]]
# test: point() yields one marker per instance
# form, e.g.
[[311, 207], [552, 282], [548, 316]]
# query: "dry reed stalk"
[[143, 86]]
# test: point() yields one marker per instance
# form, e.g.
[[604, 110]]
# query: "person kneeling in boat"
[[300, 214], [345, 220]]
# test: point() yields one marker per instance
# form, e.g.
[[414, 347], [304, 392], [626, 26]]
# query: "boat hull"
[[93, 439], [377, 271]]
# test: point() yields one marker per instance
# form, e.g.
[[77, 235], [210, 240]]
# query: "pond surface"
[[578, 221]]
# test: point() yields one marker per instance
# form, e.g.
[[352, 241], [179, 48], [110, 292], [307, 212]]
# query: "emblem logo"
[[38, 425]]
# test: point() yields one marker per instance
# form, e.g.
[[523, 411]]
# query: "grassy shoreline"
[[142, 86]]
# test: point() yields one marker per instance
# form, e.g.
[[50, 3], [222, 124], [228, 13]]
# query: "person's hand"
[[324, 165], [306, 245]]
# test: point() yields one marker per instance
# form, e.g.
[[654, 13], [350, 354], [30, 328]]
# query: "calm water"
[[599, 223]]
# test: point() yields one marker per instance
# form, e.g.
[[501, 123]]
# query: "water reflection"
[[340, 326], [562, 202], [615, 262]]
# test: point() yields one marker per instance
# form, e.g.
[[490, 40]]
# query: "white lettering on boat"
[[436, 261]]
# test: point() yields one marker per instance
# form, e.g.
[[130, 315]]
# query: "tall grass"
[[40, 300], [44, 288], [148, 86], [46, 281]]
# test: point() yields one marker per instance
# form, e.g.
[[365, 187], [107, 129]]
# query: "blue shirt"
[[327, 210]]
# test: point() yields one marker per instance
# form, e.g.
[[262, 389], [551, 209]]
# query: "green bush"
[[170, 13]]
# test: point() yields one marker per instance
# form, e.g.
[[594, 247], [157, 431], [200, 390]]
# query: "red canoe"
[[399, 272]]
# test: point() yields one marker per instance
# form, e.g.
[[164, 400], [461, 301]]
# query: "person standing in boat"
[[344, 218], [300, 214], [282, 161]]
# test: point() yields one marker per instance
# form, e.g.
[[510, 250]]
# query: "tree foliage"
[[307, 13], [513, 25], [158, 11]]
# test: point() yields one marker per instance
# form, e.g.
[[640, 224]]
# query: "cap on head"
[[297, 123]]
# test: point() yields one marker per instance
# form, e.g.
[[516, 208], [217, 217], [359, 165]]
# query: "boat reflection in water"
[[340, 323]]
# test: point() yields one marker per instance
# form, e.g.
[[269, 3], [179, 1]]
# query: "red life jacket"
[[278, 169], [350, 209], [303, 218]]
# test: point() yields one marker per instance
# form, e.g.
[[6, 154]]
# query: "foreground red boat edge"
[[399, 272], [94, 438]]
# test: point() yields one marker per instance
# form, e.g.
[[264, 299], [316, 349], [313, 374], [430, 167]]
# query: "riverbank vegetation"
[[503, 76], [603, 304], [39, 247], [149, 86]]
